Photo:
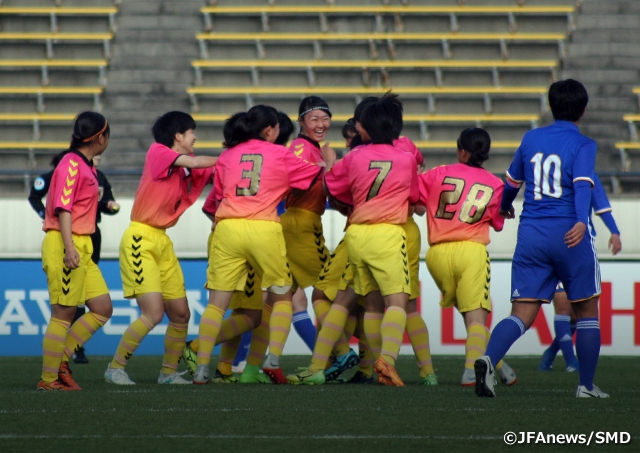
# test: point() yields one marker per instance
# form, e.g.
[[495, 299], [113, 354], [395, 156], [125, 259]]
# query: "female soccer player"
[[72, 277], [252, 176], [172, 180], [462, 202]]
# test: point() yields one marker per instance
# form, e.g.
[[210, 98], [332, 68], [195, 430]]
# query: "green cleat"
[[252, 375], [429, 379], [219, 378], [190, 358], [307, 377]]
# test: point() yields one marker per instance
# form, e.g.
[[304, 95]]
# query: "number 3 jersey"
[[253, 177], [462, 201], [549, 161]]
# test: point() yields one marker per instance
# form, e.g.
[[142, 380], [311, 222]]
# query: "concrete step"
[[598, 7], [620, 21]]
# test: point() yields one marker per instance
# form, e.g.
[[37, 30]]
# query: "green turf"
[[332, 418]]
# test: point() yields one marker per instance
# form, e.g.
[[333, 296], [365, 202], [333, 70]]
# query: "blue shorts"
[[542, 259]]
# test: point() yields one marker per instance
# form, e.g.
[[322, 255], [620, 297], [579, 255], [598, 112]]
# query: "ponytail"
[[475, 141], [87, 127], [245, 126]]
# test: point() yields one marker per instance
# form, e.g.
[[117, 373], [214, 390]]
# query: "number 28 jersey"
[[253, 177], [548, 162], [462, 202]]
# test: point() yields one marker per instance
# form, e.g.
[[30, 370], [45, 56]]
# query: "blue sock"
[[503, 336], [573, 327], [563, 337], [588, 349], [243, 350], [305, 328]]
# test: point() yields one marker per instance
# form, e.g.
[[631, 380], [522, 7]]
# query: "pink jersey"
[[253, 177], [379, 181], [405, 144], [74, 188], [166, 191], [312, 200], [462, 201]]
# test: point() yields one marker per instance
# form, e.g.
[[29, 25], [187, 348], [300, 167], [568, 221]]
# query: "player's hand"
[[113, 206], [574, 235], [71, 258], [614, 244], [328, 154], [508, 214]]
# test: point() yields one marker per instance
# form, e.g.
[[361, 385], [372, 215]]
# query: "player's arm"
[[71, 256], [187, 161], [583, 176], [602, 208], [39, 189]]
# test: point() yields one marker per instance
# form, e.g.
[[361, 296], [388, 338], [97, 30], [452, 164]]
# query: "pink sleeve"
[[66, 176], [414, 196], [497, 221], [301, 174], [337, 181], [305, 151], [405, 144], [161, 160], [210, 204], [424, 184]]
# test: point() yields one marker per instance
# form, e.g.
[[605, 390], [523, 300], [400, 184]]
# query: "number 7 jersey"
[[462, 201]]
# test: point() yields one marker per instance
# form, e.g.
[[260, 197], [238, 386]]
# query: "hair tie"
[[315, 108], [100, 132]]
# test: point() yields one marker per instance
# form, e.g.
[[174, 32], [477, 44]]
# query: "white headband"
[[315, 108]]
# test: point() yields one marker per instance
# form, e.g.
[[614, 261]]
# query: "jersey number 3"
[[253, 175], [474, 205]]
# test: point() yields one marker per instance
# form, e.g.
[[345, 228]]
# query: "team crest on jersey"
[[100, 192], [39, 183]]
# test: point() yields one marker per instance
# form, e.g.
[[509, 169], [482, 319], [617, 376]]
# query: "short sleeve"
[[304, 150], [301, 174], [160, 160], [497, 221], [405, 144], [414, 195], [585, 162], [515, 173], [65, 183], [337, 181]]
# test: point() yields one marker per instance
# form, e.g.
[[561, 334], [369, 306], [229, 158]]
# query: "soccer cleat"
[[219, 378], [582, 392], [572, 367], [190, 358], [276, 375], [65, 376], [239, 368], [341, 364], [79, 356], [307, 377], [52, 386], [201, 376], [485, 377], [173, 378], [387, 374], [507, 375], [254, 378], [429, 379], [117, 376], [360, 378], [546, 364], [468, 378]]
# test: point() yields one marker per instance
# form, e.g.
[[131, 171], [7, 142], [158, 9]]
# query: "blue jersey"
[[549, 161]]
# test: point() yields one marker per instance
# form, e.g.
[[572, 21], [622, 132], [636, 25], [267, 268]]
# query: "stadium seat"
[[44, 66], [41, 92], [31, 147], [54, 12], [623, 148], [50, 38]]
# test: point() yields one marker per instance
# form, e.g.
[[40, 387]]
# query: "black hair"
[[245, 126], [313, 103], [475, 141], [349, 129], [166, 127], [356, 141], [383, 119], [568, 99], [362, 105], [87, 127], [286, 129]]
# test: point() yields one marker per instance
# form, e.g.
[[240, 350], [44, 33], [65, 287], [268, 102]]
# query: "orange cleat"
[[387, 374], [65, 376], [276, 375], [51, 386]]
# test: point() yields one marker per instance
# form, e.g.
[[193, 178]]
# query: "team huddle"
[[259, 261]]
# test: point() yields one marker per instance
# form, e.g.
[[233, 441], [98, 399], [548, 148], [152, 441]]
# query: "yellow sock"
[[194, 345], [174, 340], [364, 351], [53, 348], [475, 345], [280, 325], [342, 344], [234, 326], [419, 337], [488, 334], [321, 308], [228, 351], [392, 330], [130, 341], [260, 339], [210, 323], [81, 331], [372, 325], [332, 329]]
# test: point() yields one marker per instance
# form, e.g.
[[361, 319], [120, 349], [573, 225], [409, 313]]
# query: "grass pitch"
[[331, 418]]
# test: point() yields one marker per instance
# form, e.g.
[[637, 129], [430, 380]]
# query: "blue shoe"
[[546, 364], [341, 364], [360, 378]]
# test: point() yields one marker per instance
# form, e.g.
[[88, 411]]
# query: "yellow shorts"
[[148, 263], [332, 272], [238, 242], [378, 258], [71, 287], [462, 272], [306, 252], [412, 232]]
